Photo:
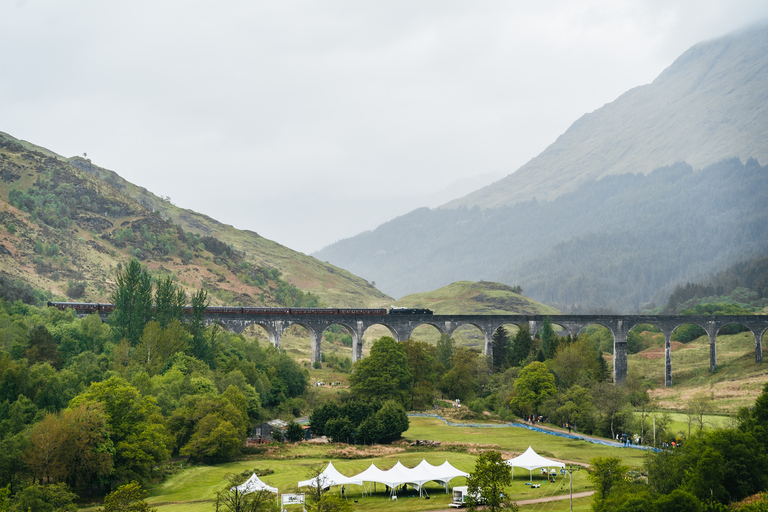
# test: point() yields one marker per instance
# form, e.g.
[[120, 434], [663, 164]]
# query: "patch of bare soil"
[[728, 391], [354, 452], [659, 352]]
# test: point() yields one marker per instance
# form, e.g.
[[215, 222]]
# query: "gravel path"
[[537, 500]]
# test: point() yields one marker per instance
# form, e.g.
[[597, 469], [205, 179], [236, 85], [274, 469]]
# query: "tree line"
[[709, 471], [86, 404], [617, 244]]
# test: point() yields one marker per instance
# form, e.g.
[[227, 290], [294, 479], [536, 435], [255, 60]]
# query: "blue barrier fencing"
[[604, 442]]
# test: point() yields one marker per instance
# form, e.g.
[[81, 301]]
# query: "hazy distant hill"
[[597, 221], [66, 224], [710, 104]]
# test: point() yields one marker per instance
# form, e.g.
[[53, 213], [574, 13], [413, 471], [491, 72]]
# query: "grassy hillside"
[[74, 223], [736, 383], [470, 298]]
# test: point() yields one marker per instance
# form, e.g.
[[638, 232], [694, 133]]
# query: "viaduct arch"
[[401, 327]]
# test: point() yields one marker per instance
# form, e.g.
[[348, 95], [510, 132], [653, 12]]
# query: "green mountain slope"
[[710, 104], [66, 222], [597, 221], [483, 298]]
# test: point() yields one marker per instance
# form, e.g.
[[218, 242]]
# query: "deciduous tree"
[[135, 424], [533, 386], [129, 497], [605, 472], [384, 374], [487, 482], [229, 499]]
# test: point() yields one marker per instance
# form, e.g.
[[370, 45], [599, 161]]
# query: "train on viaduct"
[[401, 322]]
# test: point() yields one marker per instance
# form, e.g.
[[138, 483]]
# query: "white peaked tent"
[[418, 476], [531, 460], [398, 475], [445, 472], [374, 474], [330, 476], [254, 484]]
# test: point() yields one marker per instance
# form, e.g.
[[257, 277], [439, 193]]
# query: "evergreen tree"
[[133, 302], [445, 350], [201, 345], [604, 373], [170, 300], [42, 347], [501, 349], [549, 339], [521, 345]]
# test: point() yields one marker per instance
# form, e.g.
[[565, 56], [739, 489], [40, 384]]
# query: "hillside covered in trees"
[[617, 244], [89, 404], [663, 185]]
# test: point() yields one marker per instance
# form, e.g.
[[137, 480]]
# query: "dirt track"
[[537, 500]]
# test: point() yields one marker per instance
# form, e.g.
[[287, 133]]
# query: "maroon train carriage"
[[314, 311], [81, 306], [362, 311], [266, 311], [221, 310], [237, 310]]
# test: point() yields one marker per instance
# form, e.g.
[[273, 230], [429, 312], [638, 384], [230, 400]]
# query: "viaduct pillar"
[[620, 352]]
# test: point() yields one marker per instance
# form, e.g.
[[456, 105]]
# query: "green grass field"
[[192, 489]]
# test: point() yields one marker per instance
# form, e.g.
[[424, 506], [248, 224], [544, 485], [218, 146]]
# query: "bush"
[[294, 432], [75, 290]]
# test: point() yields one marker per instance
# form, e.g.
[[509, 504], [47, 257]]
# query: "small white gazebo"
[[531, 460], [254, 484]]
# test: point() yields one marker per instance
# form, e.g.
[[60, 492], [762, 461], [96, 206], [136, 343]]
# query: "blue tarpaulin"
[[579, 437]]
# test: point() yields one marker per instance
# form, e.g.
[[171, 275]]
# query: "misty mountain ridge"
[[710, 104], [662, 186]]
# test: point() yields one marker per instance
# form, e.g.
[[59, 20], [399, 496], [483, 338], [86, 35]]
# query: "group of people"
[[628, 441]]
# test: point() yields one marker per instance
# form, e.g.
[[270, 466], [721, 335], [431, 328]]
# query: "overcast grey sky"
[[309, 122]]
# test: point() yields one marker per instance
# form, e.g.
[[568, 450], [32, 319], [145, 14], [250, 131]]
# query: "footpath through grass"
[[192, 489]]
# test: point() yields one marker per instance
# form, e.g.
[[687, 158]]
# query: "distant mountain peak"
[[710, 104]]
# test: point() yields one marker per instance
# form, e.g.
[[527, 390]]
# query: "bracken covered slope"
[[66, 225]]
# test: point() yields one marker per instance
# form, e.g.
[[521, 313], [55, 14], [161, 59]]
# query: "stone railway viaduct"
[[401, 327]]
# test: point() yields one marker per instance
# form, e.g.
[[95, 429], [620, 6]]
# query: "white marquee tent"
[[330, 476], [531, 460], [398, 475], [254, 484], [446, 472]]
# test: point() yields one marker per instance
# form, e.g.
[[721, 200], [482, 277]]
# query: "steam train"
[[236, 310]]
